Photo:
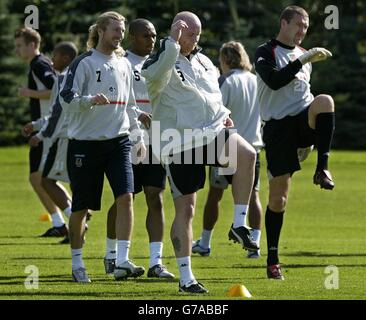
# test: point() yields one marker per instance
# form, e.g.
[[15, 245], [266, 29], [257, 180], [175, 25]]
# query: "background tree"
[[252, 22]]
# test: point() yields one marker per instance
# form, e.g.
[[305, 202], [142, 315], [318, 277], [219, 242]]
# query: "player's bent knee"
[[247, 154], [326, 102]]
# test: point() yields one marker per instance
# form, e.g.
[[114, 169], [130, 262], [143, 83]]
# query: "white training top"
[[239, 94], [139, 83], [140, 88], [92, 73], [185, 94]]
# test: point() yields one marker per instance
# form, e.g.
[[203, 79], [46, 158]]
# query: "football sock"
[[77, 259], [57, 219], [111, 249], [206, 236], [68, 212], [324, 128], [240, 210], [273, 228], [123, 248], [186, 275], [156, 253]]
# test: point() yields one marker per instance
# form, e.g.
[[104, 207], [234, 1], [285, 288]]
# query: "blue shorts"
[[88, 161]]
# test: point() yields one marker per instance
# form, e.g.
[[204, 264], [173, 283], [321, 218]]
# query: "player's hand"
[[176, 29], [228, 123], [27, 129], [34, 141], [315, 55], [24, 92], [138, 152], [145, 119], [100, 98]]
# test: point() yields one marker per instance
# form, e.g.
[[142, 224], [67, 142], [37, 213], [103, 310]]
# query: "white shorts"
[[45, 149], [55, 166], [221, 182]]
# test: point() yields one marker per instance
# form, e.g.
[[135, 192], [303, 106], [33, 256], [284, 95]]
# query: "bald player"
[[185, 95], [148, 176]]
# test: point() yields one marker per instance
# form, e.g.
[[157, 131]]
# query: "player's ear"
[[283, 23], [100, 32], [32, 45]]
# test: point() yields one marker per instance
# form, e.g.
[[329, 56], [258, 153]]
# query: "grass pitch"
[[321, 229]]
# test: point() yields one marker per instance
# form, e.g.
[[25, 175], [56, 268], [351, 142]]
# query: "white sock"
[[206, 236], [240, 210], [68, 212], [256, 236], [111, 249], [123, 248], [156, 253], [77, 259], [57, 219], [186, 275]]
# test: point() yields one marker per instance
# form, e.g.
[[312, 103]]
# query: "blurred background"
[[251, 22]]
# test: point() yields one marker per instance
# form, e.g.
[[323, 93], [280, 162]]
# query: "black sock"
[[324, 128], [273, 228]]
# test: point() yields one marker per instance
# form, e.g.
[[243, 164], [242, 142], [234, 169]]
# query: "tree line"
[[251, 22]]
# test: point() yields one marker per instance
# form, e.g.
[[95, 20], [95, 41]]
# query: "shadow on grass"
[[62, 279], [97, 295], [289, 266], [322, 255], [30, 244]]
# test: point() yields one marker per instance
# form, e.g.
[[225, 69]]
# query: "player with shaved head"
[[185, 96]]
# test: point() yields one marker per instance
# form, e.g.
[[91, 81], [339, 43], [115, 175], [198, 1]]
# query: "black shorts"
[[188, 178], [87, 161], [282, 138], [35, 157], [148, 173]]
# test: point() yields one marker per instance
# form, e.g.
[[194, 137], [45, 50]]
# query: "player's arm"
[[35, 94], [47, 76], [138, 152], [71, 96], [157, 69], [53, 122], [273, 77], [133, 113]]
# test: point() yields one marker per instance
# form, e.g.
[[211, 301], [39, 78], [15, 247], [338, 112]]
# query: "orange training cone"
[[45, 217]]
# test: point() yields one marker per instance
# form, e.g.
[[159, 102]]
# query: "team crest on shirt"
[[109, 67]]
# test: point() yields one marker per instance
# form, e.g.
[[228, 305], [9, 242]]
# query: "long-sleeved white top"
[[92, 73], [184, 94]]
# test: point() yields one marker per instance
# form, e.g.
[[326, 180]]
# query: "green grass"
[[321, 228]]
